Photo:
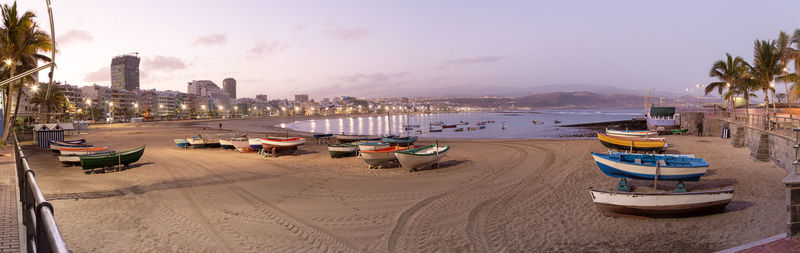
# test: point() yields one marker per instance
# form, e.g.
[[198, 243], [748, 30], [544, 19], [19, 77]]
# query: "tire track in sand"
[[310, 234], [487, 233], [402, 226]]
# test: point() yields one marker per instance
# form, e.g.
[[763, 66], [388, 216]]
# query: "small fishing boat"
[[628, 143], [680, 131], [369, 146], [182, 142], [675, 155], [491, 121], [81, 150], [660, 204], [418, 132], [631, 133], [411, 126], [242, 144], [645, 167], [275, 144], [557, 122], [345, 138], [482, 127], [91, 162], [378, 158], [435, 130], [226, 144], [463, 123], [343, 150], [448, 126], [319, 137], [408, 128], [472, 128], [503, 126], [400, 141], [73, 142], [55, 146], [69, 160], [458, 130], [415, 158], [255, 143]]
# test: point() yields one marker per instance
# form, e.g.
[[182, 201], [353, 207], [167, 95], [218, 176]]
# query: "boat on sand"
[[380, 157], [421, 157], [660, 204]]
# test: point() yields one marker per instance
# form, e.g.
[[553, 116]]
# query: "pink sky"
[[372, 48]]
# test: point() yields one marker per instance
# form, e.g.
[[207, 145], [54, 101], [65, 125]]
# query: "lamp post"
[[183, 108], [111, 111], [91, 110], [220, 110], [136, 105]]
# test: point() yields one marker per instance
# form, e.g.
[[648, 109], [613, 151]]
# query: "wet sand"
[[487, 196]]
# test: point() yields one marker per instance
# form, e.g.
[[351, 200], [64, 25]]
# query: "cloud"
[[213, 39], [347, 34], [301, 27], [101, 75], [372, 77], [266, 47], [475, 60], [73, 36], [164, 63]]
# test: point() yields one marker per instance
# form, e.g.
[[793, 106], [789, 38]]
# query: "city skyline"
[[378, 49]]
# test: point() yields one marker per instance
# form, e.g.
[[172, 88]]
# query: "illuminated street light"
[[183, 107], [8, 61], [136, 105], [203, 107], [34, 88], [160, 106], [88, 102]]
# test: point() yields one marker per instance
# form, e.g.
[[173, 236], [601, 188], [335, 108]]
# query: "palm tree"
[[730, 71], [50, 104], [766, 66], [21, 42], [794, 78], [784, 46]]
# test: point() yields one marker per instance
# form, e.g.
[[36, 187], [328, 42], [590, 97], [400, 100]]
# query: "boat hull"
[[412, 159], [342, 151], [382, 156], [82, 151], [91, 162], [637, 134], [639, 144], [615, 168], [660, 205], [181, 143], [372, 146], [282, 143], [226, 144], [255, 143], [242, 146]]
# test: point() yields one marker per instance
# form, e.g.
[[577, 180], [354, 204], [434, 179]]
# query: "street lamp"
[[34, 88]]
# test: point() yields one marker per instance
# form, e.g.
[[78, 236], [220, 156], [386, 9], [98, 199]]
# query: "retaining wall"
[[778, 147]]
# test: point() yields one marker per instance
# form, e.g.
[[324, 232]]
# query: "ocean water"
[[519, 124]]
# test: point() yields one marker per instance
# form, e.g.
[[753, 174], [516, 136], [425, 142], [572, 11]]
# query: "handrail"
[[42, 231]]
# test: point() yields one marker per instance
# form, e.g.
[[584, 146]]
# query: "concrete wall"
[[689, 121], [780, 148]]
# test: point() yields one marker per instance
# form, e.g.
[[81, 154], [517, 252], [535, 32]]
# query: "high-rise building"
[[125, 72], [229, 85], [262, 98], [201, 87], [301, 98]]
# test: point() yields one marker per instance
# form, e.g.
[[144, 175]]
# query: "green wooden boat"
[[680, 131], [91, 162]]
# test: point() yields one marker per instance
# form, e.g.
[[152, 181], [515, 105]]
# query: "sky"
[[382, 48]]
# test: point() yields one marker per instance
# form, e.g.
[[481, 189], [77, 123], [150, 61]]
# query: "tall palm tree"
[[766, 66], [21, 42], [794, 56], [784, 46], [730, 72]]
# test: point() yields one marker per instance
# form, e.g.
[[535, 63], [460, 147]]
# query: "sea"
[[519, 124]]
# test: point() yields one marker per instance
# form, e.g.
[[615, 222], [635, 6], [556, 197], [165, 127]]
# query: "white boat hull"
[[660, 204], [372, 147], [634, 171], [421, 159], [69, 152]]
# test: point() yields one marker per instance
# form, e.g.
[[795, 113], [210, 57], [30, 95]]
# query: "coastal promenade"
[[10, 235]]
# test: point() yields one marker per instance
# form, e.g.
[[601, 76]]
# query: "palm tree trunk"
[[8, 121], [747, 107]]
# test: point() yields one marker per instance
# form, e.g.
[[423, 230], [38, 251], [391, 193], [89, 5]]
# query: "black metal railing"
[[42, 234]]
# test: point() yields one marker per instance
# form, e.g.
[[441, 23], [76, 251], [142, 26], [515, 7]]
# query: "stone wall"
[[689, 121], [779, 148]]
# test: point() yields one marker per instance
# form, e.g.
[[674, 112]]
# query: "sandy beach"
[[487, 196]]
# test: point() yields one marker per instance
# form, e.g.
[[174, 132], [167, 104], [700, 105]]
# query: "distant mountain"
[[581, 99]]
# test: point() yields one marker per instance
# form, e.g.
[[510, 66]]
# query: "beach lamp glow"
[[183, 107], [136, 105], [203, 107], [221, 107], [34, 88], [160, 106], [8, 61]]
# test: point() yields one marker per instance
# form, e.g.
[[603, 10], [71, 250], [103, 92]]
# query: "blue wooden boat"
[[182, 142], [400, 141], [643, 166]]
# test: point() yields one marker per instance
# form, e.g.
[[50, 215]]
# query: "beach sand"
[[487, 196]]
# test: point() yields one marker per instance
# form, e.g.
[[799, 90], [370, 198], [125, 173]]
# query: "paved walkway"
[[9, 203], [782, 245]]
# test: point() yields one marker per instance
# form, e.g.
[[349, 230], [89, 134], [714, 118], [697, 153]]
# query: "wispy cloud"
[[212, 39], [372, 77], [73, 36], [164, 63], [341, 33], [101, 75], [265, 48], [473, 60]]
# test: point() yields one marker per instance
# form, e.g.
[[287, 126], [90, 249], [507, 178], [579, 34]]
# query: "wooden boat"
[[675, 155], [458, 130], [463, 123], [639, 144], [255, 143], [81, 141], [54, 147], [491, 121], [226, 144], [400, 141], [182, 142], [91, 162], [369, 146], [418, 132], [345, 138], [278, 143], [343, 150], [557, 122], [378, 158], [200, 142], [660, 204], [82, 150], [482, 127], [631, 133], [411, 126], [680, 131], [415, 158], [435, 130], [317, 136], [643, 166], [472, 128], [76, 159], [242, 144], [448, 126]]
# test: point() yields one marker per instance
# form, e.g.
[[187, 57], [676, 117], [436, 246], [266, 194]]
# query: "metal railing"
[[766, 122], [42, 234]]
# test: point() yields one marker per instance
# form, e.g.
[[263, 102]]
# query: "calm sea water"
[[519, 123]]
